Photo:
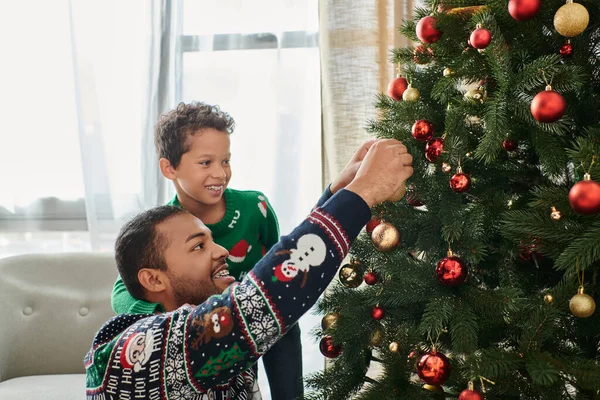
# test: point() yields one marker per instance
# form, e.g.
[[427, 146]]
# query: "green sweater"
[[248, 229]]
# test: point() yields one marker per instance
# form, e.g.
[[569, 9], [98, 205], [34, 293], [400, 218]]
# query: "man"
[[205, 351]]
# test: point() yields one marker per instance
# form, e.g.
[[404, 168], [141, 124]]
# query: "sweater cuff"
[[350, 210]]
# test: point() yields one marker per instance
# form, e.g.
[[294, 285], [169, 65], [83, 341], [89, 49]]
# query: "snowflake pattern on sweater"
[[205, 352]]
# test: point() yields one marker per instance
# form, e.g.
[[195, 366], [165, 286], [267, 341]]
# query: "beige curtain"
[[356, 37]]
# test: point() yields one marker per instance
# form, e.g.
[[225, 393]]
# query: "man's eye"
[[199, 246], [226, 162], [204, 163]]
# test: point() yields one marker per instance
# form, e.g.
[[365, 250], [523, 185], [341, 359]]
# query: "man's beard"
[[194, 293]]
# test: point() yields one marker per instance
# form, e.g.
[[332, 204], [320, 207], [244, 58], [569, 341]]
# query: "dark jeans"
[[283, 365]]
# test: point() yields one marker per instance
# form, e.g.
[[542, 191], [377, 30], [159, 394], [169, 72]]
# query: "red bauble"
[[377, 313], [422, 55], [548, 106], [434, 368], [372, 224], [480, 38], [426, 31], [434, 149], [470, 395], [524, 10], [526, 251], [566, 50], [584, 196], [422, 130], [328, 348], [370, 278], [451, 271], [509, 145], [397, 87], [460, 182]]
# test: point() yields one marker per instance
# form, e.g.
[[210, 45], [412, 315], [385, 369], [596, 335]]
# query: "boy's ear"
[[153, 280], [167, 169]]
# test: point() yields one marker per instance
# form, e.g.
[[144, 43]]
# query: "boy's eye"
[[226, 162], [199, 246]]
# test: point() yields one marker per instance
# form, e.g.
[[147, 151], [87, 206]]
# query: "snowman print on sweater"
[[310, 252]]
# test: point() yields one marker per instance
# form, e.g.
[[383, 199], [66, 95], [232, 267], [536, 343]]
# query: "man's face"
[[204, 171], [196, 266]]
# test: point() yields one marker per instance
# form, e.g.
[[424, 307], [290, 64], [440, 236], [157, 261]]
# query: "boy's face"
[[196, 265], [204, 170]]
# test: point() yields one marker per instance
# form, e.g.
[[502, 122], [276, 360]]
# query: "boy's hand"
[[349, 171]]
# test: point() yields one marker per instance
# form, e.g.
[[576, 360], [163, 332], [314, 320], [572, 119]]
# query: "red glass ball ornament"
[[397, 87], [434, 368], [509, 145], [372, 224], [480, 38], [470, 395], [524, 10], [377, 313], [422, 130], [451, 271], [426, 30], [548, 106], [328, 348], [460, 182], [370, 278], [584, 196], [434, 149], [566, 50]]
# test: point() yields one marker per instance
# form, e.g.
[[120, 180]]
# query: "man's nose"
[[220, 252]]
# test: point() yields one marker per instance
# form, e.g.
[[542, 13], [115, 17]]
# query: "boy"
[[193, 147]]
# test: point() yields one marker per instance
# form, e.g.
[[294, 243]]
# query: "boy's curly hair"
[[174, 127]]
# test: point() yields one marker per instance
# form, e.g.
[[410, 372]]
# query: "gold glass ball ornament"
[[448, 72], [571, 19], [548, 298], [394, 347], [350, 276], [582, 305], [329, 320], [376, 337], [385, 237], [411, 94], [399, 194]]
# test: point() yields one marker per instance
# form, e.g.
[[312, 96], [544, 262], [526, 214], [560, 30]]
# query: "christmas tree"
[[480, 282]]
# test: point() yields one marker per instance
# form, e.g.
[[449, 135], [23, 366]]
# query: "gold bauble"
[[329, 320], [446, 167], [582, 305], [555, 214], [349, 276], [571, 19], [448, 72], [385, 237], [475, 95], [394, 347], [411, 94], [376, 337], [399, 194], [433, 388], [548, 298]]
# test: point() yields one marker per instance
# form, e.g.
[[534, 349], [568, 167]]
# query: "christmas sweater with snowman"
[[205, 352], [248, 230]]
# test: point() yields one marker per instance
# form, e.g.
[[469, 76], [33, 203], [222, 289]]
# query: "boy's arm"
[[123, 302]]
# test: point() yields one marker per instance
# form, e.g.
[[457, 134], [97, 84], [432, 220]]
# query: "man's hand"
[[349, 171], [385, 167]]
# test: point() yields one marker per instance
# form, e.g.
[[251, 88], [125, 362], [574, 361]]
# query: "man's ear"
[[153, 280], [167, 169]]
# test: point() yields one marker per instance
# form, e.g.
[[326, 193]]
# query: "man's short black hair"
[[140, 245]]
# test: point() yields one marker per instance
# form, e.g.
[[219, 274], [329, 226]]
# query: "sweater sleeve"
[[269, 228], [123, 302], [229, 332]]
